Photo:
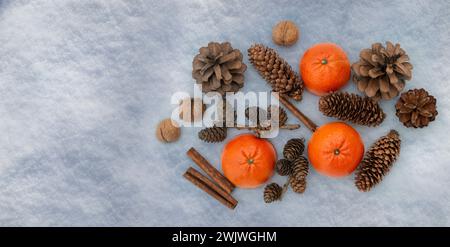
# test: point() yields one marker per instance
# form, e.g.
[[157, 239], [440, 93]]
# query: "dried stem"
[[286, 126], [296, 112], [285, 187]]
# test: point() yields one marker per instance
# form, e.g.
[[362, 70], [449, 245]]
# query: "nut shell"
[[285, 33], [167, 132]]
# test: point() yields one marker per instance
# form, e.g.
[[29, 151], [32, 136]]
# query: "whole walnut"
[[285, 33], [167, 131]]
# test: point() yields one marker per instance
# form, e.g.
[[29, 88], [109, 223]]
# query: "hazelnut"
[[285, 33], [193, 107], [167, 131]]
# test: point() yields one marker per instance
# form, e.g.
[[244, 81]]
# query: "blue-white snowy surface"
[[84, 83]]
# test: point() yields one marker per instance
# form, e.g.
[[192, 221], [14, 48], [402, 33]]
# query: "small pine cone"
[[284, 167], [416, 108], [253, 114], [272, 192], [378, 161], [351, 107], [300, 167], [226, 114], [298, 186], [282, 115], [276, 71], [213, 134], [294, 148]]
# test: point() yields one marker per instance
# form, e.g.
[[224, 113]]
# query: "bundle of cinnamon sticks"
[[218, 187]]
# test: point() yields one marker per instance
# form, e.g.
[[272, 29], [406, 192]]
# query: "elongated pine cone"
[[416, 108], [213, 134], [294, 148], [272, 192], [378, 161], [381, 72], [276, 71], [218, 67], [298, 186], [284, 167], [351, 107], [300, 168]]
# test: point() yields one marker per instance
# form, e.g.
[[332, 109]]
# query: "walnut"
[[167, 131], [285, 33], [193, 107]]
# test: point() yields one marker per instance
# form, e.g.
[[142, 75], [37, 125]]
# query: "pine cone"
[[300, 167], [253, 114], [282, 115], [272, 192], [213, 134], [298, 186], [378, 161], [294, 148], [284, 167], [276, 71], [416, 108], [218, 67], [351, 107], [226, 116], [381, 72]]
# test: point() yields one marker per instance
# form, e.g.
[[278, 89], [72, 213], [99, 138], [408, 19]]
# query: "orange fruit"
[[325, 68], [248, 161], [335, 149]]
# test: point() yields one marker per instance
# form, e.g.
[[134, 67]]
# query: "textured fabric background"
[[84, 83]]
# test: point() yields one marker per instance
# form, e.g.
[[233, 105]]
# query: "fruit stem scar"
[[336, 151], [324, 61], [250, 161]]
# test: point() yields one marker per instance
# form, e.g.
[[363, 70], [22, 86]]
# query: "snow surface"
[[84, 83]]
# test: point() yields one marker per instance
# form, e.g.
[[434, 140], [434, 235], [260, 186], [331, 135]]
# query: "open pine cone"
[[218, 67], [416, 108], [381, 72]]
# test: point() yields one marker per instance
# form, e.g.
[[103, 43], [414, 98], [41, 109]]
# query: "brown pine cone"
[[218, 67], [298, 186], [294, 148], [416, 108], [272, 192], [351, 107], [381, 72], [253, 114], [284, 167], [213, 134], [300, 168], [276, 71], [282, 115], [378, 161]]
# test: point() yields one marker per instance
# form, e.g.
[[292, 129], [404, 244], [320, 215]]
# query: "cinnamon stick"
[[213, 186], [216, 176], [296, 112], [209, 187]]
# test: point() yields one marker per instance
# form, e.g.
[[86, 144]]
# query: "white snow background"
[[83, 85]]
